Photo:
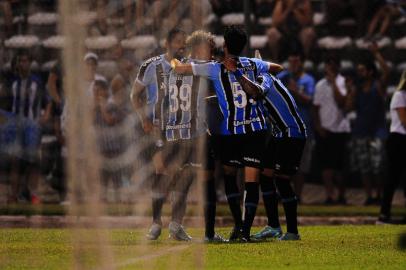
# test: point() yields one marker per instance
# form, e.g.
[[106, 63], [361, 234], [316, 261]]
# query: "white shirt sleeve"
[[208, 70], [317, 99], [398, 100], [340, 81]]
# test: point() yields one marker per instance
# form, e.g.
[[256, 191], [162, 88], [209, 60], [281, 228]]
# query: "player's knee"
[[228, 170], [268, 172]]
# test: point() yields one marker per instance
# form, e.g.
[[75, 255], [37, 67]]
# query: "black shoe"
[[377, 201], [235, 234], [342, 201], [298, 199], [383, 219], [369, 201], [216, 239], [329, 201], [245, 239]]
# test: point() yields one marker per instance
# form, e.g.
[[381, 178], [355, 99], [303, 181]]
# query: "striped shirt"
[[28, 97], [242, 114], [153, 74], [186, 106], [281, 108]]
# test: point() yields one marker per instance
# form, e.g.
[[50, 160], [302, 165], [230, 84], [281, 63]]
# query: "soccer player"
[[243, 129], [283, 152], [152, 80], [202, 48]]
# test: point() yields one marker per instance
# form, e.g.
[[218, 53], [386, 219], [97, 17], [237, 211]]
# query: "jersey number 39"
[[180, 98]]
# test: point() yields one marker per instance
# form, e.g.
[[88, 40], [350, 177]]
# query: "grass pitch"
[[322, 247], [193, 209]]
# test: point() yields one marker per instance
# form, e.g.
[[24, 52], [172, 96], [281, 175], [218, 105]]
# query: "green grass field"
[[222, 210], [322, 247]]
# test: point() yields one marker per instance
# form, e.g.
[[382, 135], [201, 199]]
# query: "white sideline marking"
[[153, 256]]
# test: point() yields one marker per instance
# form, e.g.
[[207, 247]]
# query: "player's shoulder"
[[197, 61], [252, 59], [152, 61]]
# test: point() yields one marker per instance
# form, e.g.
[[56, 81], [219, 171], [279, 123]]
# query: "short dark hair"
[[332, 59], [172, 34], [369, 64], [102, 84], [297, 53], [22, 53], [235, 39]]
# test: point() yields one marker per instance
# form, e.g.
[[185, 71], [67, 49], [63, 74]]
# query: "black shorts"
[[284, 155], [212, 151], [243, 150], [177, 154], [332, 150]]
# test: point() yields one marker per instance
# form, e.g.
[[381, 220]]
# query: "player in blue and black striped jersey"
[[283, 152], [152, 82], [282, 157], [243, 128]]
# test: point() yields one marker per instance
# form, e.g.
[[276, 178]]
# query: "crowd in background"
[[341, 144]]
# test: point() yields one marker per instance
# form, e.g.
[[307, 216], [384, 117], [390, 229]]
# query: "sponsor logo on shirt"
[[247, 121]]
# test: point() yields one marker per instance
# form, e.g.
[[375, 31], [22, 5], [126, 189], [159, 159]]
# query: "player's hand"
[[331, 77], [147, 126], [175, 63], [230, 64]]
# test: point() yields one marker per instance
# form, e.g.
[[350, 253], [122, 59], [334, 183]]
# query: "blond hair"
[[198, 37]]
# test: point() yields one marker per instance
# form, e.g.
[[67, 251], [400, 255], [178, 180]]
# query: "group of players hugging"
[[210, 106]]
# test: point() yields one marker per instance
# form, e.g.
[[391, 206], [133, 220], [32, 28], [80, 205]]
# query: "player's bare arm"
[[136, 99], [402, 115], [181, 68], [186, 68], [275, 68], [383, 67]]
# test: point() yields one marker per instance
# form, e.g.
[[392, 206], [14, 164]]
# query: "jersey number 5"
[[240, 98], [185, 96]]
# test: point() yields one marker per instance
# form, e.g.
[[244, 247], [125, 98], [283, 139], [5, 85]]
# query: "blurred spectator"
[[91, 63], [54, 84], [263, 8], [54, 165], [115, 128], [360, 10], [7, 12], [385, 16], [301, 85], [90, 76], [396, 149], [32, 109], [291, 22], [367, 97], [118, 12], [122, 82], [222, 7], [332, 129]]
